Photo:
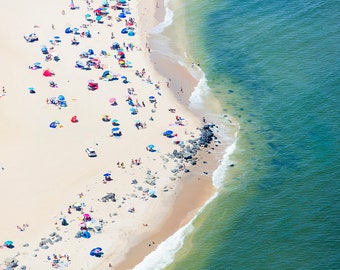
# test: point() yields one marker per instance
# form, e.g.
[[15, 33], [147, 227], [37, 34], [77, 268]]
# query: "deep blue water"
[[274, 65]]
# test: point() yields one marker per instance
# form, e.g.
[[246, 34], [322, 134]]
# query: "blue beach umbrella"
[[115, 129], [124, 31], [106, 174], [96, 252], [61, 98], [168, 132], [151, 146], [131, 33], [122, 15], [8, 243], [98, 18]]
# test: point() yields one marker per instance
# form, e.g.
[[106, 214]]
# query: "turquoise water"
[[274, 65]]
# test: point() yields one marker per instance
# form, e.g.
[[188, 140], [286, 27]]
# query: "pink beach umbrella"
[[112, 100]]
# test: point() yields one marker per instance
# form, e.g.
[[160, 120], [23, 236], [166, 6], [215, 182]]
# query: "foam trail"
[[168, 20], [220, 172], [199, 94], [166, 251]]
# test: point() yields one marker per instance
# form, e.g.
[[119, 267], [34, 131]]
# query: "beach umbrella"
[[98, 18], [53, 124], [168, 132], [77, 204], [115, 121], [87, 15], [106, 175], [151, 146], [31, 90], [96, 252], [68, 30], [8, 243], [115, 129], [131, 33], [74, 119], [86, 234], [122, 15], [112, 100], [61, 98], [48, 73], [124, 31]]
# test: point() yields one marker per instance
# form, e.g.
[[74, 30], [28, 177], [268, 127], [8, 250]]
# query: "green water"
[[274, 65]]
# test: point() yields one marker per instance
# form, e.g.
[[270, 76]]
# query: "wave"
[[220, 172], [165, 253], [199, 94], [168, 20]]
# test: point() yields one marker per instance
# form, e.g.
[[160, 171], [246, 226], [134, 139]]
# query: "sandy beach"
[[83, 77]]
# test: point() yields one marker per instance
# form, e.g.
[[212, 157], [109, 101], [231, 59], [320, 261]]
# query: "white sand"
[[44, 169]]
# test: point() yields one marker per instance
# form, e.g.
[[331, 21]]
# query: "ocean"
[[274, 67]]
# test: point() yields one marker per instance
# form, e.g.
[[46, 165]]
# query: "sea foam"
[[199, 94], [168, 20]]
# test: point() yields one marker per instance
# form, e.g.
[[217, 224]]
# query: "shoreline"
[[193, 183], [84, 176]]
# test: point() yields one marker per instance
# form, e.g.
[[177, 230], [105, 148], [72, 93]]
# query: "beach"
[[83, 77]]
